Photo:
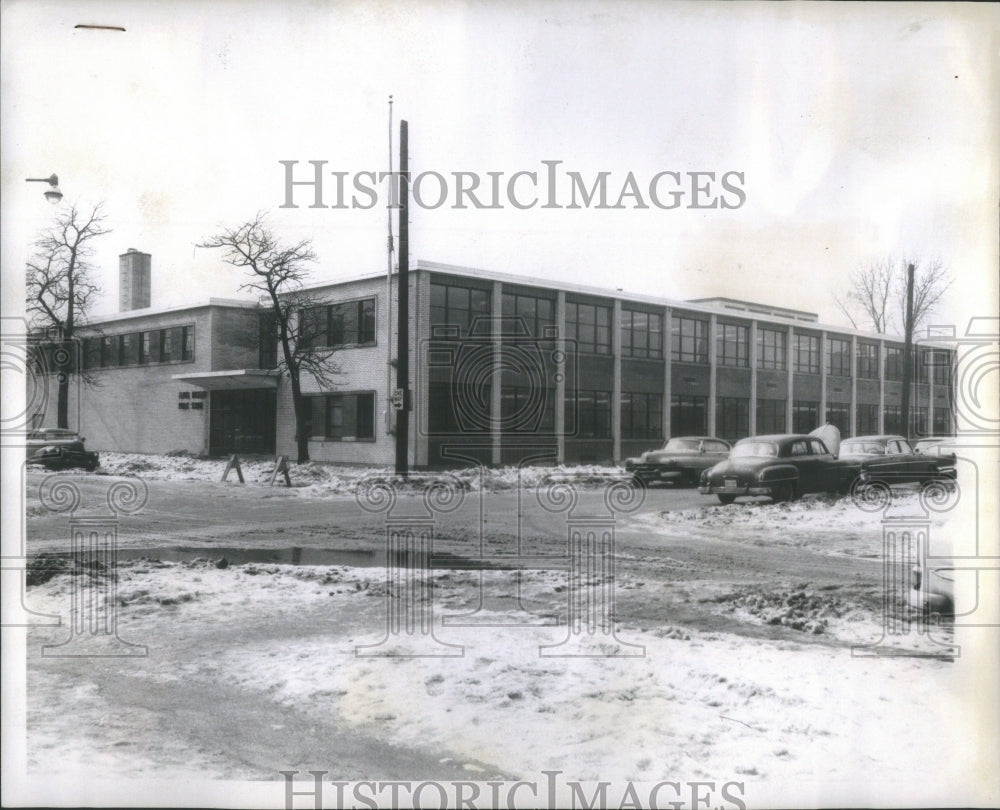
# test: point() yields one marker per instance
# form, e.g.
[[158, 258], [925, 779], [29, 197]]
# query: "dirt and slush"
[[262, 637]]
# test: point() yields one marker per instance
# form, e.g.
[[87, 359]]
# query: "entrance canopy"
[[231, 379]]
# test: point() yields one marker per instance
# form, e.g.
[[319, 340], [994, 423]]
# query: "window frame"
[[330, 402], [441, 314], [362, 338], [811, 352], [780, 363], [867, 360], [576, 327], [841, 356], [732, 351], [689, 348], [596, 414], [652, 413], [653, 349], [538, 326]]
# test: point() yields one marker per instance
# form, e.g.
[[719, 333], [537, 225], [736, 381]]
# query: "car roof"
[[699, 438], [882, 437]]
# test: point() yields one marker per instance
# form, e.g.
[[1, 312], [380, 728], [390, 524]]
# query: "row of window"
[[689, 416], [351, 323], [172, 345], [589, 326], [351, 416]]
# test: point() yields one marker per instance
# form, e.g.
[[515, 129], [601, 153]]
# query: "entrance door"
[[242, 421]]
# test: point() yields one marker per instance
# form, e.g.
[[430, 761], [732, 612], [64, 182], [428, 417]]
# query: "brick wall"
[[361, 369]]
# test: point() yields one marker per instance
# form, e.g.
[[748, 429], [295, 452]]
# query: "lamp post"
[[53, 194]]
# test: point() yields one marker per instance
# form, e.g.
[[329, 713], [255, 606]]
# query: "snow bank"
[[317, 478]]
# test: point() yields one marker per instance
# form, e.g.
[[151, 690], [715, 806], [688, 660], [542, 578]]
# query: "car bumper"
[[930, 601], [930, 591], [736, 491], [651, 476]]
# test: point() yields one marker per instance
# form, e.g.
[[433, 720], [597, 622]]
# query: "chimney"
[[134, 272]]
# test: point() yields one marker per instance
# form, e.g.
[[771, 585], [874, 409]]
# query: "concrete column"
[[753, 378], [668, 373], [854, 385], [790, 370], [881, 386], [560, 401], [930, 388], [822, 377], [496, 377], [713, 328], [420, 300], [616, 381]]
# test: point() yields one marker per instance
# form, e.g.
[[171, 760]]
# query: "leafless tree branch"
[[277, 272], [59, 284]]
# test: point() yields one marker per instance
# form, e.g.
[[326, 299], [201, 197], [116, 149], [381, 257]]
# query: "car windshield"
[[867, 448], [755, 449], [682, 444]]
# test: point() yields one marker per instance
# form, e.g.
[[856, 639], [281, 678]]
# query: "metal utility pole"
[[403, 318], [907, 353]]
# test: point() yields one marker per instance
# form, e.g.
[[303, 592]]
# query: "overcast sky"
[[862, 131]]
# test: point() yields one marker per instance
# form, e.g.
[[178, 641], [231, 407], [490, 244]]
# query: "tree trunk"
[[64, 369], [301, 418], [62, 409]]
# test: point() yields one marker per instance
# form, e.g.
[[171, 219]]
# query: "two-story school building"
[[504, 369]]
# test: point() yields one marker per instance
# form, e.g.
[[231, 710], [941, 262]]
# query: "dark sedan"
[[65, 456], [680, 461], [782, 467], [891, 460]]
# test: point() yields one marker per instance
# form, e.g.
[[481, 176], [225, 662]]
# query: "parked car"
[[931, 445], [890, 459], [781, 466], [65, 456], [50, 437], [679, 462], [932, 586]]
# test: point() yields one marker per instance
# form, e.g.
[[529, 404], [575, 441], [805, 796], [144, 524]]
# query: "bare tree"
[[276, 272], [868, 297], [931, 281], [876, 294], [881, 295], [60, 290]]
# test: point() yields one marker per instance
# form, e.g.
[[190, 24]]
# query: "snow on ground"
[[826, 512], [318, 478], [826, 523], [697, 704]]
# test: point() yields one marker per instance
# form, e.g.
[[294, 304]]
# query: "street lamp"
[[53, 194]]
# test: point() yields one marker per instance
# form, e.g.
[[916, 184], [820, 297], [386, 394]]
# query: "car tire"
[[783, 493], [725, 500]]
